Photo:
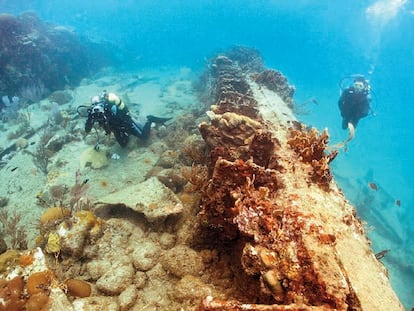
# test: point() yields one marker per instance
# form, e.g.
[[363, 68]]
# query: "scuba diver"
[[354, 102], [111, 113]]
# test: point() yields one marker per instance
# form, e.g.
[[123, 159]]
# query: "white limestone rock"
[[116, 279], [128, 297], [182, 260], [145, 256], [101, 303], [151, 198], [97, 268]]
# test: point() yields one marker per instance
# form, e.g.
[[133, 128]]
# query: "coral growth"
[[12, 229], [277, 82], [41, 156], [11, 294], [35, 284], [194, 150], [53, 215], [311, 148], [239, 201], [39, 57], [8, 259], [96, 159], [196, 176], [78, 288], [39, 282], [226, 186], [69, 235], [65, 230]]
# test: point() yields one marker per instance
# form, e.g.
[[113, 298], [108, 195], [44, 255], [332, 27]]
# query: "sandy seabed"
[[166, 93]]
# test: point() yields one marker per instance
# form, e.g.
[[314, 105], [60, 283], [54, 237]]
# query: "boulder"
[[151, 198]]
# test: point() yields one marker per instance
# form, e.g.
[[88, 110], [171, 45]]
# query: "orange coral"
[[311, 147], [78, 288], [37, 302], [54, 214], [26, 260], [11, 294], [222, 191], [39, 282]]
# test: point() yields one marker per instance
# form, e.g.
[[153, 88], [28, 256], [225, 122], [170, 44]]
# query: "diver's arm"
[[341, 102], [89, 124]]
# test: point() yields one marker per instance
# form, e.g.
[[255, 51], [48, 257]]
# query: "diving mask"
[[359, 86], [97, 111]]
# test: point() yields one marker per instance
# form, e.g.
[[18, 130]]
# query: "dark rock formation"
[[37, 57]]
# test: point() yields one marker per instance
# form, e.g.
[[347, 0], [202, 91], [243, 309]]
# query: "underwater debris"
[[278, 244]]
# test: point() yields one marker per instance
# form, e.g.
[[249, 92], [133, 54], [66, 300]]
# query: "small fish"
[[381, 254], [85, 181], [373, 186], [14, 168], [398, 202]]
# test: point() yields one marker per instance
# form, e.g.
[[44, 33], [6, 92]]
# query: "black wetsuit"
[[353, 106], [115, 118]]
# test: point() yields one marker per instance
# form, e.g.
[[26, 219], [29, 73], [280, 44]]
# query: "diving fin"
[[157, 120]]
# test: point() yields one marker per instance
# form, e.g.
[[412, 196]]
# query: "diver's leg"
[[344, 124], [157, 120], [147, 126], [146, 130]]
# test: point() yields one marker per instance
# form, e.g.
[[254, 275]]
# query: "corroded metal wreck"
[[272, 200]]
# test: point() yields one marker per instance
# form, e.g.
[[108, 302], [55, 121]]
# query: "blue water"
[[315, 44]]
